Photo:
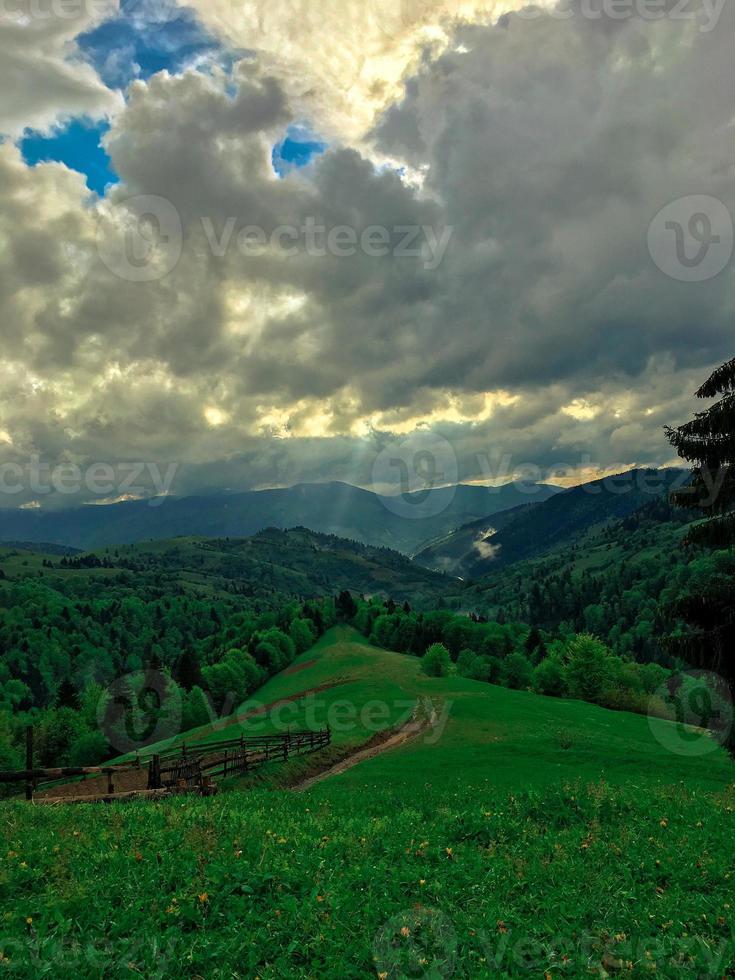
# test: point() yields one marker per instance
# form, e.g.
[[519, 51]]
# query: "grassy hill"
[[486, 736], [528, 836]]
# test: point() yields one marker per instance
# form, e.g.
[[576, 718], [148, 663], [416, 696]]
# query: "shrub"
[[196, 710], [470, 665], [548, 678], [436, 662], [516, 671], [89, 749]]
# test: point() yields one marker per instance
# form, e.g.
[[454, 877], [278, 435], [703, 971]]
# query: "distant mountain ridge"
[[296, 562], [404, 523], [524, 532]]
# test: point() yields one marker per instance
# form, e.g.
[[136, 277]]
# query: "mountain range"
[[405, 523]]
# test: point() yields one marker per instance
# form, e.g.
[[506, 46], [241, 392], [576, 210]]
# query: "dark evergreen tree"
[[346, 606], [708, 607], [708, 441]]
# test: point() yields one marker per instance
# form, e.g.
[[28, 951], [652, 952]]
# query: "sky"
[[258, 244]]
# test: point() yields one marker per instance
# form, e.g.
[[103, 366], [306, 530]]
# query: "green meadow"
[[519, 836]]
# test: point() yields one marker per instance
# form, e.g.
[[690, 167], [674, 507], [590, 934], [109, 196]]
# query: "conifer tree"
[[708, 608], [708, 441]]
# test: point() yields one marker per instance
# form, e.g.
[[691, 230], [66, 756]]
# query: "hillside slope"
[[525, 837], [296, 562], [484, 736], [530, 530]]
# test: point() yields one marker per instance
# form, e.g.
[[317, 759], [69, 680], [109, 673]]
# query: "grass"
[[490, 737], [534, 837]]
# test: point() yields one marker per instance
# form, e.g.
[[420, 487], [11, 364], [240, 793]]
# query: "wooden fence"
[[188, 767]]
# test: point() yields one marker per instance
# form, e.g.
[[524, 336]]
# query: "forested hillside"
[[537, 527]]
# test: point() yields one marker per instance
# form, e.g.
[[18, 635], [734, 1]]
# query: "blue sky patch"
[[144, 39], [78, 145], [297, 150]]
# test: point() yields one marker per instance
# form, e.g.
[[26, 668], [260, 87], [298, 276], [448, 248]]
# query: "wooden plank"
[[22, 775], [142, 794]]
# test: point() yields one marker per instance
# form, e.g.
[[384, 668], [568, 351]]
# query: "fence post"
[[29, 760], [224, 773], [154, 772], [110, 784]]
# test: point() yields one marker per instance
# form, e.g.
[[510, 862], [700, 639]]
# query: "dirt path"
[[424, 719]]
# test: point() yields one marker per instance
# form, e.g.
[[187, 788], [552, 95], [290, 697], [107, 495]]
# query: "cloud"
[[41, 79], [342, 61], [546, 335]]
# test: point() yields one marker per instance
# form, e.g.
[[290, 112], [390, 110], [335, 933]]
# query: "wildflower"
[[203, 898], [320, 898], [501, 926], [405, 931], [422, 881], [29, 920], [449, 851], [663, 822]]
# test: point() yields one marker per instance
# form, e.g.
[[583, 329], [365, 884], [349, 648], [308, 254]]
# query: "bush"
[[89, 749], [548, 678], [470, 665], [516, 671], [303, 634], [436, 662], [196, 710]]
